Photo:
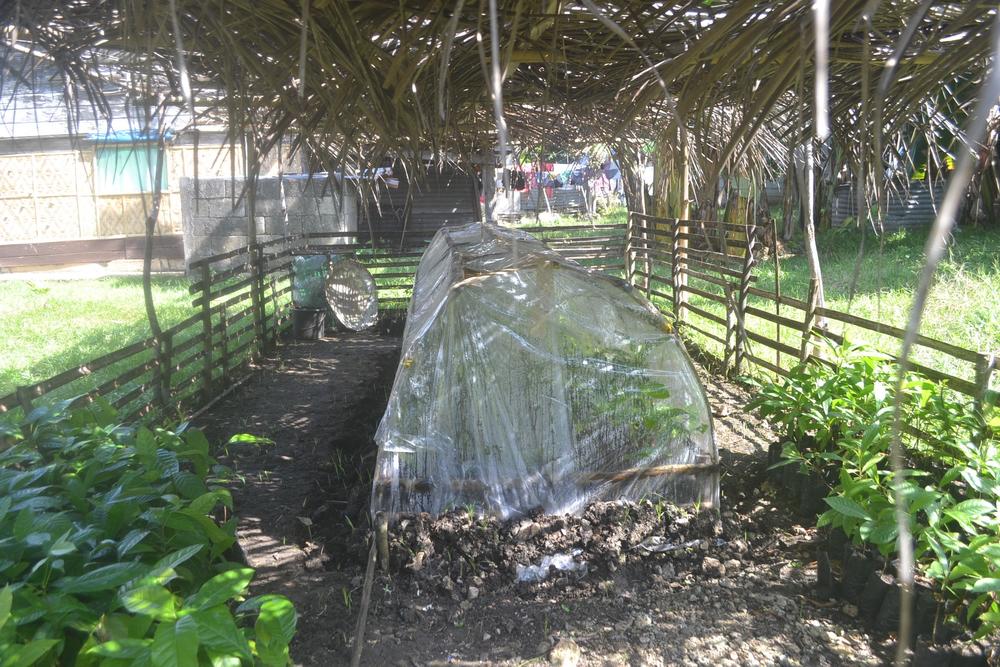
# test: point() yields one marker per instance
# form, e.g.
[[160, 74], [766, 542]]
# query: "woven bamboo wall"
[[52, 195]]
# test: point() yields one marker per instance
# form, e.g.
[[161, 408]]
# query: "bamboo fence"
[[242, 302], [674, 260]]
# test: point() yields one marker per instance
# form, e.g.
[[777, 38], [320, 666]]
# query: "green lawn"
[[50, 326], [964, 306]]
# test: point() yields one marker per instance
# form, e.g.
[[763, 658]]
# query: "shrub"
[[817, 402], [113, 549], [837, 422]]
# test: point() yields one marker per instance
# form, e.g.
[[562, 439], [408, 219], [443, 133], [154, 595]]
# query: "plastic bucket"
[[308, 323]]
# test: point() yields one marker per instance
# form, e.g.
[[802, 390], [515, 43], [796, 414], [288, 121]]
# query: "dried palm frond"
[[371, 78]]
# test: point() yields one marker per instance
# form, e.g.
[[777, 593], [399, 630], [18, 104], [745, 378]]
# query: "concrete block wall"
[[216, 222]]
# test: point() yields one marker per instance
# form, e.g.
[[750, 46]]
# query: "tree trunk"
[[162, 389], [670, 176], [788, 198], [809, 229], [634, 197], [147, 253]]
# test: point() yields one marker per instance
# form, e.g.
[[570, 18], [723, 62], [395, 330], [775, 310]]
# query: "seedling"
[[660, 508], [337, 463], [86, 476]]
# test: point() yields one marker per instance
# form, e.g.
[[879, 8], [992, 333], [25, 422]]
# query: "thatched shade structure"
[[357, 80]]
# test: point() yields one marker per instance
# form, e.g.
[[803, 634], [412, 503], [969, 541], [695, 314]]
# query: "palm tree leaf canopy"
[[378, 74]]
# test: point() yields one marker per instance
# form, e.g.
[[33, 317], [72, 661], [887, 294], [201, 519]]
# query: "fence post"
[[807, 324], [629, 256], [255, 298], [647, 259], [262, 291], [678, 258], [646, 240], [985, 365], [732, 324], [274, 309], [166, 361], [206, 332], [741, 302], [676, 271], [24, 398], [224, 331], [777, 290]]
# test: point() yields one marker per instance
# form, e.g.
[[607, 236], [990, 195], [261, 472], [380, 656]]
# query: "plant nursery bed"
[[641, 583]]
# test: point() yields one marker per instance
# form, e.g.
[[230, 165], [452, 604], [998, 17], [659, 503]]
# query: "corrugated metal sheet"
[[36, 107], [914, 208], [440, 199]]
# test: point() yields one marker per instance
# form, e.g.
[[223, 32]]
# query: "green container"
[[309, 280]]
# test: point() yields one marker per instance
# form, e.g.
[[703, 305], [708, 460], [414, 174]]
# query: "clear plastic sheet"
[[352, 294], [308, 280], [527, 381]]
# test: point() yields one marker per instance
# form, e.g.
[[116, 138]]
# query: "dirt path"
[[317, 402], [738, 595]]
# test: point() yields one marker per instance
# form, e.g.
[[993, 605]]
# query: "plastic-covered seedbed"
[[526, 381]]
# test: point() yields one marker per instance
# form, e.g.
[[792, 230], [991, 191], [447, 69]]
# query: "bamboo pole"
[[166, 357], [629, 250], [777, 290], [810, 319], [986, 363], [206, 331], [366, 597], [744, 293], [679, 265]]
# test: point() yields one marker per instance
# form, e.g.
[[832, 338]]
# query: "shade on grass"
[[47, 327]]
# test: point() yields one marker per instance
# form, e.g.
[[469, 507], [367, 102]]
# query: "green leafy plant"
[[818, 403], [660, 508], [633, 413], [113, 549], [837, 423]]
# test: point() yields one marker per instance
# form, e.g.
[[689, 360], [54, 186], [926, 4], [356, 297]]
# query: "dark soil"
[[650, 584], [302, 510]]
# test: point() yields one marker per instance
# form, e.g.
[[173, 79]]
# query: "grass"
[[50, 326], [615, 215], [963, 308]]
